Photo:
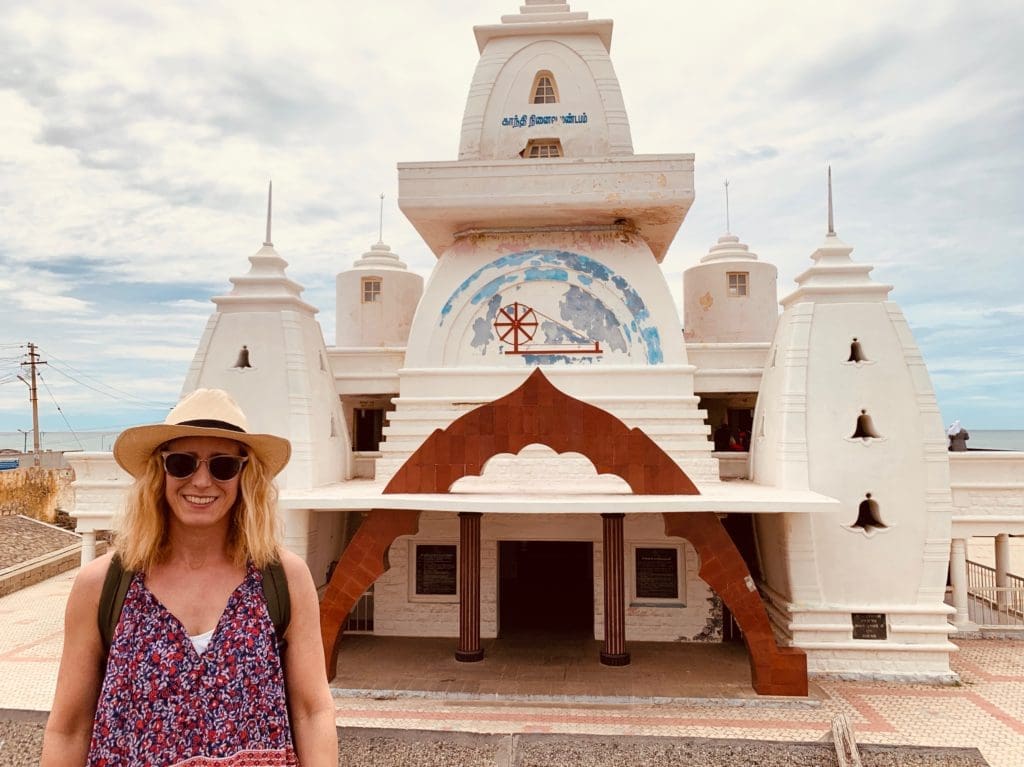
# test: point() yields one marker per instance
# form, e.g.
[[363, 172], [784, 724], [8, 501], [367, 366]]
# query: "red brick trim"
[[363, 562], [538, 413], [774, 670]]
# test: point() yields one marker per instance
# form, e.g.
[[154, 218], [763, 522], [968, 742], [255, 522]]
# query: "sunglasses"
[[221, 467]]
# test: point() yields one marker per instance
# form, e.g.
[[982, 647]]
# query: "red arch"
[[539, 413]]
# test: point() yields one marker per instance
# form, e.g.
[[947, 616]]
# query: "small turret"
[[730, 297], [376, 300]]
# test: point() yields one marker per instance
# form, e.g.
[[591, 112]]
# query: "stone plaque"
[[657, 573], [869, 626], [436, 568]]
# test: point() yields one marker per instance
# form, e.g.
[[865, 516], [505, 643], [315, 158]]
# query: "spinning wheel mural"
[[517, 324]]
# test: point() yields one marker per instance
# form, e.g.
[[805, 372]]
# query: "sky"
[[136, 142]]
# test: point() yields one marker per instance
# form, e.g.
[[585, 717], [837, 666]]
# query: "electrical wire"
[[132, 401], [59, 410], [122, 395]]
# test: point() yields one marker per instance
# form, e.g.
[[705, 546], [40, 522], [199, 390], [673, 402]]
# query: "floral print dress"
[[162, 704]]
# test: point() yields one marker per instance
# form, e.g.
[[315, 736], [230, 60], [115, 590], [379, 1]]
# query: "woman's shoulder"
[[295, 567], [88, 585]]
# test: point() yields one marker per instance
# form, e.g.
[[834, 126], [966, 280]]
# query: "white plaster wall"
[[512, 94], [316, 536], [324, 541], [474, 270], [395, 614], [712, 315], [894, 469], [820, 567], [288, 391], [988, 493], [586, 84], [379, 323]]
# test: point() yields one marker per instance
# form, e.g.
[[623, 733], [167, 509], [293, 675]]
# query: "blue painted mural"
[[587, 325]]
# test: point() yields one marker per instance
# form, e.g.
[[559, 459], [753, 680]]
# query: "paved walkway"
[[986, 711]]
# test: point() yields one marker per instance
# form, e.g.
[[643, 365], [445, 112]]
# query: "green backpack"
[[115, 587]]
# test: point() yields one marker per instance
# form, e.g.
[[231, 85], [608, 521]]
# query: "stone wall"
[[35, 492]]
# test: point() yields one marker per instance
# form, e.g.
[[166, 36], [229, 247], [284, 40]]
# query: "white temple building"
[[525, 445]]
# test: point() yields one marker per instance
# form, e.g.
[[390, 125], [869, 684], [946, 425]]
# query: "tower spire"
[[831, 224], [728, 228], [270, 197], [380, 229]]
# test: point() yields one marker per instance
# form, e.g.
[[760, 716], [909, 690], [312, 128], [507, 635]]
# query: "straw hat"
[[203, 413]]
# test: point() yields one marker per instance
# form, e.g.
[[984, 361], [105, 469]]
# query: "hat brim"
[[135, 446]]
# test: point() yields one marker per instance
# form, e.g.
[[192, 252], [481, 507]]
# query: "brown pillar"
[[614, 651], [469, 586]]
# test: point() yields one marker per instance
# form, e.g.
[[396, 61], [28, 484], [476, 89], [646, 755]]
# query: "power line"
[[59, 410], [136, 402], [122, 394]]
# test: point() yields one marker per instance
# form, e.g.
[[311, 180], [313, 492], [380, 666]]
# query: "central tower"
[[548, 231]]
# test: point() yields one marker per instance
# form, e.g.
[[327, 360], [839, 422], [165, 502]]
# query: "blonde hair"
[[254, 533]]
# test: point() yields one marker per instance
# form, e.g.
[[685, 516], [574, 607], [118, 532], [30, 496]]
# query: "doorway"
[[546, 588]]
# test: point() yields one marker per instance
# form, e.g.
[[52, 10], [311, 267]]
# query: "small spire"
[[728, 228], [270, 197], [831, 224], [380, 230]]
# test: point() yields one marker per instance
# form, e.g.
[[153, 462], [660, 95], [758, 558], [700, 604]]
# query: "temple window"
[[544, 88], [542, 148], [371, 289], [737, 283]]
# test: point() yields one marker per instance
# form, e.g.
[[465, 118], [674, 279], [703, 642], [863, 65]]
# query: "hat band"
[[208, 423]]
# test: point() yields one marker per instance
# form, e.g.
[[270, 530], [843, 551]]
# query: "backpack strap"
[[115, 587], [279, 605]]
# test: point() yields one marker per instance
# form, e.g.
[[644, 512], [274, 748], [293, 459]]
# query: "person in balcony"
[[958, 437]]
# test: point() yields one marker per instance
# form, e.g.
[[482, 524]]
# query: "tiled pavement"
[[986, 711]]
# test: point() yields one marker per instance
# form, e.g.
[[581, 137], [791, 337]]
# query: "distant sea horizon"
[[92, 441]]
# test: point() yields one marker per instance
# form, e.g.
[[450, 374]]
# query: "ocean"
[[1001, 439], [59, 440]]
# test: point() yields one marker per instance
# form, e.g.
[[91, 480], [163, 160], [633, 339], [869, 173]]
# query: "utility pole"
[[33, 395]]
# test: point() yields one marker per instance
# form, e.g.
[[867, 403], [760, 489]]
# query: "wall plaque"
[[436, 568], [869, 626], [657, 573]]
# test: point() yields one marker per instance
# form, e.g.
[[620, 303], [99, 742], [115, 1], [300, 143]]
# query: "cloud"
[[138, 140]]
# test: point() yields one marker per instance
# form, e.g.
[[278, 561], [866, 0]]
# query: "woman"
[[194, 674]]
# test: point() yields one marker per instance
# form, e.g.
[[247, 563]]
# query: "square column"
[[469, 650], [88, 546], [614, 651], [1002, 569], [958, 580]]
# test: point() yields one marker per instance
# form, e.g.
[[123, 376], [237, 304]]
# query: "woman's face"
[[201, 500]]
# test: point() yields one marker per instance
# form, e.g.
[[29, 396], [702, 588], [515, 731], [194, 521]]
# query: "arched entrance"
[[538, 413]]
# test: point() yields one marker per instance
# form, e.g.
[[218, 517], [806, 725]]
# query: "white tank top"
[[202, 641]]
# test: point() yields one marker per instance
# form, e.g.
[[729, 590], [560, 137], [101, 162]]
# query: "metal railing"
[[360, 620], [991, 604]]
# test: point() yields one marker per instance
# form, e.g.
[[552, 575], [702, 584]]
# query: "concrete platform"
[[551, 669]]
